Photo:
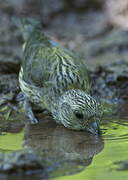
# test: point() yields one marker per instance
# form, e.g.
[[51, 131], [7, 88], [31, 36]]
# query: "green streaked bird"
[[55, 79]]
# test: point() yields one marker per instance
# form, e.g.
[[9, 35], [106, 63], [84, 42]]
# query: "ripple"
[[115, 129]]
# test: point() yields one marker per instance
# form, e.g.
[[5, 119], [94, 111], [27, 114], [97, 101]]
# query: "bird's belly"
[[32, 92]]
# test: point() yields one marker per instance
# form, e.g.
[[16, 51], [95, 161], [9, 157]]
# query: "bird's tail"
[[26, 25]]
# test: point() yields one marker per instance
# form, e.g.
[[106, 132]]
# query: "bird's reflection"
[[72, 150]]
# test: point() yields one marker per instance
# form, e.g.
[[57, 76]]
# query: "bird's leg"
[[29, 112], [22, 99]]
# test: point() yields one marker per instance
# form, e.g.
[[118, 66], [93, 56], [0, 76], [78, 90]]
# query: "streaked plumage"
[[55, 79]]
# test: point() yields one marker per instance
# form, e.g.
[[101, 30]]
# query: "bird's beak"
[[94, 128]]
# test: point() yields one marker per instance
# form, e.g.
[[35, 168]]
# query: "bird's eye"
[[78, 115]]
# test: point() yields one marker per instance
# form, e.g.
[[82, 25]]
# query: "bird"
[[53, 77]]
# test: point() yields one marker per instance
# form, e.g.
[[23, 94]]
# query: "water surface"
[[75, 154], [105, 164]]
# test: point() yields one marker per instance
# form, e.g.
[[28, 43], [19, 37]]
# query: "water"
[[11, 141], [115, 150], [75, 155]]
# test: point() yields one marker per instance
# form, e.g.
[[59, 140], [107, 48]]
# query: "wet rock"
[[77, 28], [111, 81], [108, 47], [9, 52], [11, 6], [9, 66], [51, 8], [4, 99], [11, 118], [19, 162], [8, 83], [86, 4]]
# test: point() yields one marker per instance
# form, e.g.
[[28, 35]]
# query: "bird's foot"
[[20, 97], [30, 115], [28, 111]]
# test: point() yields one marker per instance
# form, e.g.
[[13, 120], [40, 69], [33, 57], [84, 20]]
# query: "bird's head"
[[78, 110]]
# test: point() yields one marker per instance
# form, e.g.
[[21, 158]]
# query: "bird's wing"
[[69, 72], [55, 67], [34, 67], [79, 71]]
